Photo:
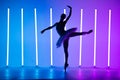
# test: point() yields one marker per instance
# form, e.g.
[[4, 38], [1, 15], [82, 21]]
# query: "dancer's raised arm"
[[48, 28], [69, 13]]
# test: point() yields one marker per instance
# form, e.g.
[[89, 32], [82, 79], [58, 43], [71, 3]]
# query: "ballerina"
[[65, 35]]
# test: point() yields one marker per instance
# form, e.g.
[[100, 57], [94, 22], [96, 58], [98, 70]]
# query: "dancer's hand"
[[42, 31], [69, 6]]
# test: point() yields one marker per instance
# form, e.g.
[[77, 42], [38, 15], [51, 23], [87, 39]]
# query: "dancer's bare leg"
[[80, 33], [65, 44]]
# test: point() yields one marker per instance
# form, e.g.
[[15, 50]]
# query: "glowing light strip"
[[65, 27], [8, 25], [81, 24], [22, 47], [65, 13], [109, 37], [36, 38], [95, 37], [51, 46]]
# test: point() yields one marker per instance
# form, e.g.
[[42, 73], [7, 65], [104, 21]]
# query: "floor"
[[58, 73]]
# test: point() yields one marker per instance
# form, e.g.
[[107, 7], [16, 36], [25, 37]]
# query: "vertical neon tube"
[[65, 13], [109, 29], [36, 38], [95, 24], [65, 26], [22, 47], [51, 46], [81, 24], [8, 25]]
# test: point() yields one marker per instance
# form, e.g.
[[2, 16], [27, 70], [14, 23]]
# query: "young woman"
[[65, 35]]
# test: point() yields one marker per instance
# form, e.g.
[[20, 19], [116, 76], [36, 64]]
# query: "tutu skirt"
[[65, 36]]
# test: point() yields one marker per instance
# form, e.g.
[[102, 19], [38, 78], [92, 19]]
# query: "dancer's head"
[[63, 16]]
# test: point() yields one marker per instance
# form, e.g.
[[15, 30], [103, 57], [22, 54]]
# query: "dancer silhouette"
[[65, 34]]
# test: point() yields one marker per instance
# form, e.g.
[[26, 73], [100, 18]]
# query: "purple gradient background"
[[88, 7], [44, 40]]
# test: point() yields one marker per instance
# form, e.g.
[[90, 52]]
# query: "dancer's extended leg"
[[80, 33], [66, 43]]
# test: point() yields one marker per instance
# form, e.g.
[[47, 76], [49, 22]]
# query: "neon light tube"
[[8, 25], [65, 13], [22, 47], [51, 37], [81, 24], [109, 38], [36, 38], [95, 24]]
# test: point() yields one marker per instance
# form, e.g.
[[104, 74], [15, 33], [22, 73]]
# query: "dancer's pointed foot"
[[65, 66], [90, 31]]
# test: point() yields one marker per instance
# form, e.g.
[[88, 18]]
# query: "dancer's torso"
[[60, 28]]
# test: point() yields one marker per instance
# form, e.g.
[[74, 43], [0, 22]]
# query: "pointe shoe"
[[89, 31], [65, 66]]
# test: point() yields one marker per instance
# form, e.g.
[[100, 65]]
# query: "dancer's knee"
[[66, 54]]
